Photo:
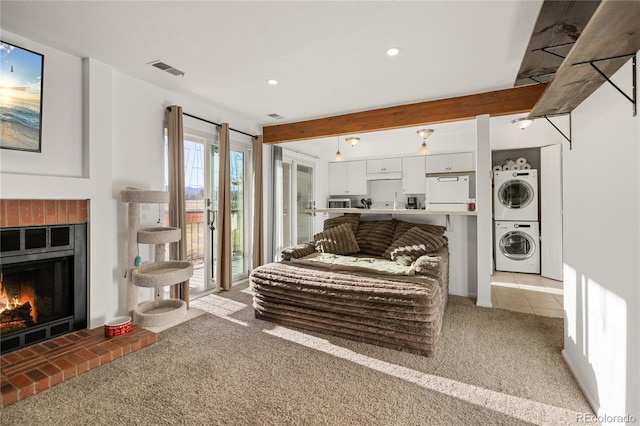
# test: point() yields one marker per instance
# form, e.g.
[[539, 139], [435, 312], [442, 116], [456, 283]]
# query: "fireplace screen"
[[33, 293], [43, 283]]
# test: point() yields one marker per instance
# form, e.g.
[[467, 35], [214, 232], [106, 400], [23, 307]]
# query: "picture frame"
[[21, 88]]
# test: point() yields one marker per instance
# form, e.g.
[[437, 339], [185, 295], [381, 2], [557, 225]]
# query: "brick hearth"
[[35, 368]]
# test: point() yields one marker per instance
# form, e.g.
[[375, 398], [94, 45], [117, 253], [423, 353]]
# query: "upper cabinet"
[[348, 178], [449, 163], [385, 165], [413, 175]]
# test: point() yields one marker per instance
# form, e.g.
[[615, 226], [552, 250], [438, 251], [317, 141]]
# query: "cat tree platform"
[[159, 235], [161, 274], [159, 312], [133, 195]]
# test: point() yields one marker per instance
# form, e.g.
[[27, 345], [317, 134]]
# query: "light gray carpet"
[[493, 367]]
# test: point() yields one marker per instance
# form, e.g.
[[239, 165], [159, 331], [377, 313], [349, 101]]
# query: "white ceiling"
[[329, 57]]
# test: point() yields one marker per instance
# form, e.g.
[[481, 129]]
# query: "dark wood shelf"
[[613, 31]]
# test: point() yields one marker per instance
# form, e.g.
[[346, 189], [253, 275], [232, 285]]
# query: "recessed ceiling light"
[[272, 82], [393, 51]]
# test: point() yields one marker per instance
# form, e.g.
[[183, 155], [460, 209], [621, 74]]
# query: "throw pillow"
[[337, 240], [402, 227], [352, 219], [374, 236], [412, 244]]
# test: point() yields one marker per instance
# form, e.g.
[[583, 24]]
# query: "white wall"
[[138, 153], [602, 250], [110, 129], [62, 142], [484, 224]]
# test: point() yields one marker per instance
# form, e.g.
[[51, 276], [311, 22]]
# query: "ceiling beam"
[[501, 102]]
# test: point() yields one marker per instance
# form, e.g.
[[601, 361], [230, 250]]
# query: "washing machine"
[[515, 195], [517, 247]]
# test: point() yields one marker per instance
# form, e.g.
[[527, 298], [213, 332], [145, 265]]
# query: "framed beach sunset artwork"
[[20, 98]]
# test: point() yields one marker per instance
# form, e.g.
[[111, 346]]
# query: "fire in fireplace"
[[33, 293], [42, 283]]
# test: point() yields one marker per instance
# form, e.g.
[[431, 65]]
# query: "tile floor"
[[528, 293]]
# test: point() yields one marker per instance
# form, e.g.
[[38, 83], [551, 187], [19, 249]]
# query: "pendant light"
[[338, 155], [424, 134], [352, 140], [522, 123]]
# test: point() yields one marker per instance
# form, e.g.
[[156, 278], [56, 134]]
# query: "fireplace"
[[43, 283]]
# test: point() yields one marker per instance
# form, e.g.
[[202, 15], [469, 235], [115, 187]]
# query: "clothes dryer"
[[515, 195], [517, 247]]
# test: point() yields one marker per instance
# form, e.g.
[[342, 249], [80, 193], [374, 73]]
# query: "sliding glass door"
[[240, 212], [200, 212], [201, 165], [297, 196], [304, 198]]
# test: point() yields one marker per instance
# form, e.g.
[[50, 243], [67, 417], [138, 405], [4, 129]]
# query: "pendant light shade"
[[424, 134], [424, 149], [522, 123], [338, 155], [352, 140]]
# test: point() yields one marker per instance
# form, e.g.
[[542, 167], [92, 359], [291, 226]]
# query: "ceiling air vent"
[[276, 116], [168, 68]]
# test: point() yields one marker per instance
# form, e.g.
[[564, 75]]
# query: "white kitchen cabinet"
[[448, 163], [384, 165], [348, 178], [413, 175]]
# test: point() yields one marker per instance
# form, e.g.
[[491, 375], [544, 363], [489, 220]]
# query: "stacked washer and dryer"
[[517, 229]]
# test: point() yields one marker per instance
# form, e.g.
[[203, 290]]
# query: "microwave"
[[339, 203]]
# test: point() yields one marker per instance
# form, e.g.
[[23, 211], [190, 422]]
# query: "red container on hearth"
[[117, 326]]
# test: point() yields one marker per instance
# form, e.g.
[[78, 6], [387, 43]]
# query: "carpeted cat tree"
[[156, 275]]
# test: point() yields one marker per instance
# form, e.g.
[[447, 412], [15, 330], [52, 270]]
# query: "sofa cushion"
[[352, 219], [374, 236], [337, 240], [402, 227], [413, 244]]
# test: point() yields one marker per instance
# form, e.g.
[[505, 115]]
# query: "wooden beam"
[[614, 30], [501, 102]]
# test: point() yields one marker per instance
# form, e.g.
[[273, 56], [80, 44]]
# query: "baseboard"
[[590, 399], [484, 305]]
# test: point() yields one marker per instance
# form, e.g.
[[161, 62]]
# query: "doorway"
[[201, 165], [297, 197]]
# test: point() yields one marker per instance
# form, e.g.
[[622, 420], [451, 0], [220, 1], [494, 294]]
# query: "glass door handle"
[[211, 219]]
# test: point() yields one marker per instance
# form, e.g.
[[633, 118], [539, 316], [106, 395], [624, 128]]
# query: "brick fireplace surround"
[[35, 368], [42, 212]]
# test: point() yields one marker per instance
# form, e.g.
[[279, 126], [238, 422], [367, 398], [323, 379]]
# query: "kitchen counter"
[[394, 212]]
